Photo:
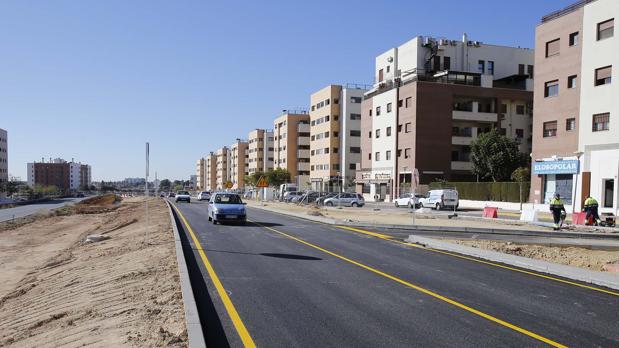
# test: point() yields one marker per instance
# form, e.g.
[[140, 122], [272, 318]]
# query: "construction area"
[[94, 273]]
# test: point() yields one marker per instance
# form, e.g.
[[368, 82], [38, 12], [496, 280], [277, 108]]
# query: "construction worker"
[[591, 207], [558, 211]]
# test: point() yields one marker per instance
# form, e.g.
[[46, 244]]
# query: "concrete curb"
[[446, 229], [192, 319], [593, 277]]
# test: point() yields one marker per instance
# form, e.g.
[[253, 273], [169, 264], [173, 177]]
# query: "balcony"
[[474, 116], [303, 153], [461, 140], [303, 166], [303, 141], [303, 128], [461, 165]]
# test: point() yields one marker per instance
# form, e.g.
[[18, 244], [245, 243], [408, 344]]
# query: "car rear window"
[[228, 199], [182, 193]]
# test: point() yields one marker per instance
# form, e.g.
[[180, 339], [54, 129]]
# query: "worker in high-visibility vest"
[[558, 211], [591, 207]]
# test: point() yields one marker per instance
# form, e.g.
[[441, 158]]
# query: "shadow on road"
[[266, 224], [292, 256]]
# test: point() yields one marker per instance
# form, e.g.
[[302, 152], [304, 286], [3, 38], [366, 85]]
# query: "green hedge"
[[487, 191]]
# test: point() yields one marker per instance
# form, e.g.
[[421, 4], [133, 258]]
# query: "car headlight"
[[215, 210]]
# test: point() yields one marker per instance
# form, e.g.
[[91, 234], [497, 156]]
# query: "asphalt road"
[[281, 282], [25, 210]]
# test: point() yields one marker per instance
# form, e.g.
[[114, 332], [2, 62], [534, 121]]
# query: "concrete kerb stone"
[[192, 319], [593, 277], [448, 229]]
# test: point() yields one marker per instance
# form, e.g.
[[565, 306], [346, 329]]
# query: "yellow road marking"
[[420, 289], [386, 237], [234, 315]]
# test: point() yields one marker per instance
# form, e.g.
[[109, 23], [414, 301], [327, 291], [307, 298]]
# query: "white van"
[[283, 188], [440, 199]]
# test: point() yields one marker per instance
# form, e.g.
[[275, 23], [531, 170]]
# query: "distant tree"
[[496, 156], [164, 185], [278, 176], [521, 175]]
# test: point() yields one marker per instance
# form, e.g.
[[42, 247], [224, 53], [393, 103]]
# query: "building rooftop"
[[566, 10]]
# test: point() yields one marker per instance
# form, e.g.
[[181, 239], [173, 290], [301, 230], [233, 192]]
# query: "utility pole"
[[146, 191]]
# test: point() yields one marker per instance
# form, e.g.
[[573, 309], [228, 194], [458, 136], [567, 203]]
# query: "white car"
[[182, 196], [439, 199], [204, 196], [409, 200]]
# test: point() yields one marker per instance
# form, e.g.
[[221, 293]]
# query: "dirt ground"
[[571, 256], [58, 290]]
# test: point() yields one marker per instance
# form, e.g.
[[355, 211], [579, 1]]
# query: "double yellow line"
[[246, 337]]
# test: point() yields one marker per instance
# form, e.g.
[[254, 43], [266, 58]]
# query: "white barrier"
[[529, 215]]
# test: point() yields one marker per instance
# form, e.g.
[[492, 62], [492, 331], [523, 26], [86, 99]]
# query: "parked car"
[[80, 195], [346, 200], [225, 206], [310, 197], [162, 194], [409, 200], [204, 196], [323, 196], [182, 196], [171, 194], [439, 199], [288, 196]]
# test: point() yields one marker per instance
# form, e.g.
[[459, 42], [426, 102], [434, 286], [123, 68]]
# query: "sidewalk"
[[403, 219]]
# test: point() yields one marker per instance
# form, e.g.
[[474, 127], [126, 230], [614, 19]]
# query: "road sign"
[[262, 182], [229, 184]]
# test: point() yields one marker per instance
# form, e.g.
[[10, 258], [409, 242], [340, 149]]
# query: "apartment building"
[[259, 151], [291, 145], [201, 174], [4, 161], [431, 99], [238, 164], [335, 137], [575, 146], [66, 176], [210, 172], [222, 168]]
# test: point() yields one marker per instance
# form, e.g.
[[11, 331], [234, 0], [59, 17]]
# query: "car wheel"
[[354, 204], [410, 205], [329, 204], [214, 222], [438, 206], [396, 204], [209, 218]]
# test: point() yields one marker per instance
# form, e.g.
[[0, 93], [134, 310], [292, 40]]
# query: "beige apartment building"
[[222, 169], [259, 151], [210, 172], [4, 163], [238, 164], [201, 174], [291, 145], [335, 137], [575, 138]]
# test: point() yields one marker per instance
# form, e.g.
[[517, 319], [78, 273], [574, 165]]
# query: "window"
[[388, 68], [370, 156], [377, 156], [519, 133], [326, 134], [378, 111], [399, 152], [481, 66], [388, 155], [355, 100], [352, 166], [600, 122], [603, 75], [370, 112], [490, 67], [571, 81], [408, 102], [313, 123], [407, 153], [400, 103], [336, 150], [606, 29], [503, 108], [446, 63], [336, 101], [574, 39], [408, 127], [380, 75], [327, 118], [552, 47], [388, 131], [530, 71], [520, 109], [377, 133], [355, 149], [313, 152], [337, 134], [327, 102], [370, 134], [551, 88], [520, 69], [570, 124], [388, 107], [326, 151], [355, 133], [550, 129], [399, 128]]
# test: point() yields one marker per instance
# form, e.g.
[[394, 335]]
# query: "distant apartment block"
[[431, 98], [575, 135], [201, 174], [66, 176], [238, 164], [222, 169], [210, 172], [335, 137], [260, 151], [291, 137], [4, 160]]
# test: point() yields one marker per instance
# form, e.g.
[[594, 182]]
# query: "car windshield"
[[228, 199], [182, 193]]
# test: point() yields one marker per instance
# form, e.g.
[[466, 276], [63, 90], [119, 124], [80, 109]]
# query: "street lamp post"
[[578, 154]]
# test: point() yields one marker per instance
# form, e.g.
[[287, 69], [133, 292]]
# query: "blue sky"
[[95, 80]]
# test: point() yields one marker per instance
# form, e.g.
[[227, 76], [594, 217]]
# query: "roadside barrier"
[[491, 212]]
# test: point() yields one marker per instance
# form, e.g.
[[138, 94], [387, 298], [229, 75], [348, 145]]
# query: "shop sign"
[[556, 167]]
